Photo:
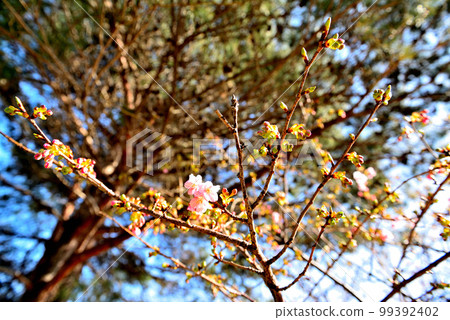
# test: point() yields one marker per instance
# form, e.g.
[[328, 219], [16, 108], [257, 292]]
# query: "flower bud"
[[328, 24], [310, 89], [263, 151], [305, 55], [19, 103]]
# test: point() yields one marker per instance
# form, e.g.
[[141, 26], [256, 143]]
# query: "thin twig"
[[396, 288], [311, 255], [322, 184]]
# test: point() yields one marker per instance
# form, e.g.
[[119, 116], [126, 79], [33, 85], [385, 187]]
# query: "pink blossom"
[[134, 229], [276, 217], [203, 192], [193, 184], [57, 142], [199, 205], [386, 236], [370, 173], [208, 191], [361, 181], [116, 202]]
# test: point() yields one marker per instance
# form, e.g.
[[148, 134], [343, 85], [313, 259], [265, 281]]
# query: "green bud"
[[263, 151], [10, 110], [328, 24], [66, 170], [304, 54], [387, 95], [378, 94], [310, 89], [287, 147], [388, 90], [283, 106], [19, 103]]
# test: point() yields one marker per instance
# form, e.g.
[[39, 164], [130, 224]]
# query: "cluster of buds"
[[286, 146], [263, 151], [161, 204], [137, 222], [20, 111], [280, 197], [381, 95], [442, 164], [58, 150], [407, 132], [332, 216], [380, 235], [350, 245], [356, 159], [38, 112], [42, 112], [335, 43], [227, 197], [269, 132], [50, 151], [299, 131], [13, 111], [421, 117], [86, 166], [137, 217], [341, 176], [126, 203], [151, 194], [391, 195], [444, 152], [446, 224]]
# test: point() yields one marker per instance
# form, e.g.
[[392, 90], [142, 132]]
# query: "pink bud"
[[48, 164]]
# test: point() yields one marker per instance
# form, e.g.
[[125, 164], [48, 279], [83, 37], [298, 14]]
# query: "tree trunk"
[[72, 243], [65, 243]]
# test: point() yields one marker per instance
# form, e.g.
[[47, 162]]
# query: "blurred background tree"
[[110, 69]]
